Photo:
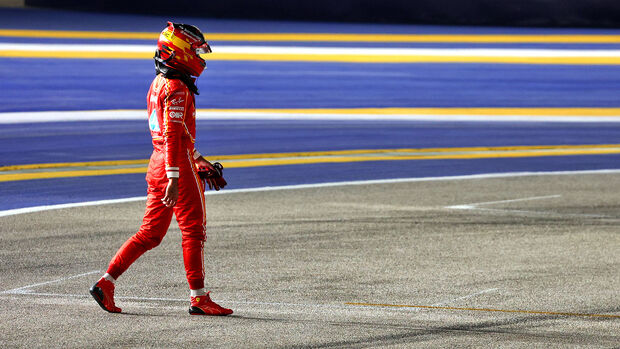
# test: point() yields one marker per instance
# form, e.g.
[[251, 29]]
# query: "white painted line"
[[261, 115], [26, 289], [17, 211], [316, 185], [320, 51], [76, 47], [465, 297], [543, 213], [347, 308], [186, 300], [71, 115], [475, 205], [382, 207], [66, 295], [257, 114], [380, 51]]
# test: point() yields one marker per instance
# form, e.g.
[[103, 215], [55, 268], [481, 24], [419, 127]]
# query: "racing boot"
[[103, 293], [203, 305]]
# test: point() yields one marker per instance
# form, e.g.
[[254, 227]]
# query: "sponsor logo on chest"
[[176, 115], [177, 101]]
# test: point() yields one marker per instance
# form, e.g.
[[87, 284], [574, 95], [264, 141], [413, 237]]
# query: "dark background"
[[530, 13]]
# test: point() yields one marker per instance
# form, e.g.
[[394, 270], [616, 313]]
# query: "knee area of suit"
[[194, 236], [149, 242]]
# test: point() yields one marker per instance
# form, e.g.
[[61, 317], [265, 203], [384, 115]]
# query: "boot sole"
[[198, 311], [97, 294]]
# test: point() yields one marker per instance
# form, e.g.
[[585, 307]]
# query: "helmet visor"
[[203, 49]]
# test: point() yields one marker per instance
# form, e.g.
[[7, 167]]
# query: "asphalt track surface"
[[520, 262], [511, 254]]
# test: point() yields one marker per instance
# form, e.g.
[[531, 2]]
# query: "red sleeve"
[[175, 107]]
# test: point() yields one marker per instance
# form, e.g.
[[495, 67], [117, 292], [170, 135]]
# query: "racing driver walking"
[[174, 185]]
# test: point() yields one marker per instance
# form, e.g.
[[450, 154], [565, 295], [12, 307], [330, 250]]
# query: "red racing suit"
[[172, 121]]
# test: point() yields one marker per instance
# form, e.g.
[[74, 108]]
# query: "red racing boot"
[[103, 293], [203, 305]]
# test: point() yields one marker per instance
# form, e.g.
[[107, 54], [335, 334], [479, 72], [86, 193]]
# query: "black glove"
[[213, 178]]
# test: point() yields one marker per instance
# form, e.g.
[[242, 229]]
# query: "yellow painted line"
[[323, 57], [342, 153], [77, 54], [486, 310], [339, 159], [259, 160], [68, 174], [434, 111], [73, 164], [328, 37]]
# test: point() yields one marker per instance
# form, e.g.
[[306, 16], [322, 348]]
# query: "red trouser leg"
[[154, 227], [190, 213], [155, 223]]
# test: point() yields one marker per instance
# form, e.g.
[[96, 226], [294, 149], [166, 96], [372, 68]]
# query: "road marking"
[[461, 298], [30, 172], [69, 174], [347, 305], [400, 153], [548, 214], [330, 37], [475, 205], [26, 289], [74, 164], [24, 210], [433, 111], [465, 297], [485, 310], [326, 54], [381, 207], [371, 114], [186, 300], [322, 51]]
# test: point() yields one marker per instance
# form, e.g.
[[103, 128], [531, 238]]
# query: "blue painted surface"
[[65, 190], [54, 142], [129, 140], [31, 84], [78, 84]]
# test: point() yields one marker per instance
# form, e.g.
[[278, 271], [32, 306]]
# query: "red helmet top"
[[179, 47]]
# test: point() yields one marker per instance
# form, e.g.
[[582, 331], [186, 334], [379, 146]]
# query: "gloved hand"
[[213, 178]]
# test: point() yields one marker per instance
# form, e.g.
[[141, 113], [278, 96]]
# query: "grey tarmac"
[[492, 262]]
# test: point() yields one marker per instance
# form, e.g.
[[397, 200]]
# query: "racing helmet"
[[179, 47]]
